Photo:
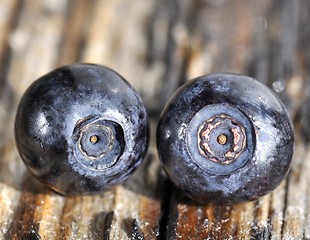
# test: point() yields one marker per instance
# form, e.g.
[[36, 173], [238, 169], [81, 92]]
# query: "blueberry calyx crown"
[[98, 143], [221, 139]]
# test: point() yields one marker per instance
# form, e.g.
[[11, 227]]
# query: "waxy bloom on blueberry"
[[81, 128], [225, 138]]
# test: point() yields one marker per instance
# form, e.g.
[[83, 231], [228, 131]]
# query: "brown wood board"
[[156, 46]]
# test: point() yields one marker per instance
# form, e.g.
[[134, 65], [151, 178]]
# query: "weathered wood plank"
[[8, 12], [156, 46], [32, 53]]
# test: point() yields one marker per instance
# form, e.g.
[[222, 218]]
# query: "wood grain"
[[156, 46]]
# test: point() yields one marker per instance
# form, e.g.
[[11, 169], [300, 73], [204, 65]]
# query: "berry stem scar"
[[94, 139], [222, 139]]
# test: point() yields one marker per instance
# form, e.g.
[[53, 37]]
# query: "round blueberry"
[[225, 138], [81, 128]]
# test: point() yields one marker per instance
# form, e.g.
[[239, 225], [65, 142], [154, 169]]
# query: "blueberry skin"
[[253, 122], [81, 129]]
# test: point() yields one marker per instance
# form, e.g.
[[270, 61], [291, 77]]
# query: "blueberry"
[[81, 128], [224, 139]]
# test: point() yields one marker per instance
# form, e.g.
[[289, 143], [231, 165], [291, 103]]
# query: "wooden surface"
[[156, 45]]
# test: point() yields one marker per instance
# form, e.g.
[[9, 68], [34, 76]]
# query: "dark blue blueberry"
[[225, 138], [81, 128]]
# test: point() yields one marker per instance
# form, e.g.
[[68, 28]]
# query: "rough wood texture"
[[156, 45]]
